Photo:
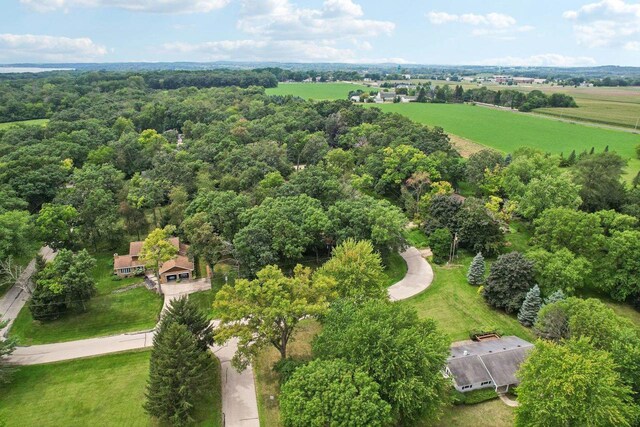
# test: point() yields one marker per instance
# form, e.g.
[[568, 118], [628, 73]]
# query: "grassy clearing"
[[107, 313], [417, 238], [317, 91], [267, 380], [457, 307], [395, 268], [493, 413], [613, 113], [35, 122], [104, 391]]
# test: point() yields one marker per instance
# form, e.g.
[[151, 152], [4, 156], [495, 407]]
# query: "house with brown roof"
[[179, 267]]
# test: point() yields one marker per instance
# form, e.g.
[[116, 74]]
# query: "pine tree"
[[185, 312], [177, 374], [606, 149], [572, 158], [530, 307], [555, 297], [6, 348], [508, 159], [475, 275]]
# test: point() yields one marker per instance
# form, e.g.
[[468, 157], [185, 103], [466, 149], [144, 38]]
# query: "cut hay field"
[[317, 91], [35, 122]]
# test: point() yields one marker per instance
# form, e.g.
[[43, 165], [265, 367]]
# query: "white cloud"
[[43, 48], [633, 46], [278, 30], [153, 6], [490, 24], [607, 23], [541, 60]]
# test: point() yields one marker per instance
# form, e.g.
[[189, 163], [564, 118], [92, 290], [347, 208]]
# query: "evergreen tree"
[[572, 158], [177, 374], [555, 297], [6, 348], [593, 150], [530, 307], [508, 159], [475, 275], [606, 149], [185, 312]]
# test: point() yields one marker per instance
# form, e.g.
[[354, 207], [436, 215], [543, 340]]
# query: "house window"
[[485, 382], [125, 270], [467, 387]]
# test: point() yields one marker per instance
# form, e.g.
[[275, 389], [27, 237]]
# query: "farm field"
[[107, 312], [506, 131], [35, 122], [317, 91], [502, 130], [106, 391]]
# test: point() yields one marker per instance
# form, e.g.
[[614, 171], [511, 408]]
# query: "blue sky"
[[543, 32]]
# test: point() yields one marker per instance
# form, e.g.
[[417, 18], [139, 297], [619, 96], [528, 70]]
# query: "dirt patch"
[[465, 147]]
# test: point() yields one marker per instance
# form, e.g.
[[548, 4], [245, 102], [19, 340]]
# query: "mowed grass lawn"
[[493, 413], [35, 122], [107, 312], [458, 308], [317, 91], [100, 391]]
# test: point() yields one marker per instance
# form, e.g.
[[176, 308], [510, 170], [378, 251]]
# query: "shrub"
[[440, 244], [286, 367], [478, 396]]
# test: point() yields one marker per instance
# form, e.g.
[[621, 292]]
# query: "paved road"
[[239, 402], [418, 278], [12, 302]]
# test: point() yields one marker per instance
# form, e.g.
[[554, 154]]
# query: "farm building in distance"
[[487, 363]]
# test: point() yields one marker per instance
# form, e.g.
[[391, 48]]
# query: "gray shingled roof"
[[497, 360], [468, 370]]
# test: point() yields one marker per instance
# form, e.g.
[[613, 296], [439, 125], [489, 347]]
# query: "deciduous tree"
[[332, 392], [157, 249], [410, 376], [267, 310], [509, 280], [572, 384]]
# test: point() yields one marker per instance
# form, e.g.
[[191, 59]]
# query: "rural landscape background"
[[287, 213]]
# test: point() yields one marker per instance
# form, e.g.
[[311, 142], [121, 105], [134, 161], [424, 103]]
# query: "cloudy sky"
[[542, 32]]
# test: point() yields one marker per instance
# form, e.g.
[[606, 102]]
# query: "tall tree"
[[530, 307], [185, 312], [356, 269], [267, 310], [600, 177], [157, 249], [56, 224], [509, 280], [410, 376], [177, 375], [572, 384], [203, 240], [332, 392], [475, 275], [6, 348]]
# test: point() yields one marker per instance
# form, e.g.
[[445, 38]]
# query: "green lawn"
[[100, 391], [35, 122], [107, 313], [395, 268], [317, 91], [417, 238], [493, 413], [457, 307]]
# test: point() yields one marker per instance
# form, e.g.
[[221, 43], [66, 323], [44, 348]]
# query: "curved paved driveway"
[[418, 278], [239, 402]]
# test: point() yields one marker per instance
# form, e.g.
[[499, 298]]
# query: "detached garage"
[[178, 268]]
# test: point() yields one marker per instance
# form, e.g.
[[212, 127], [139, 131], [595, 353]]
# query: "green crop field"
[[35, 122], [498, 129], [506, 131], [317, 91]]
